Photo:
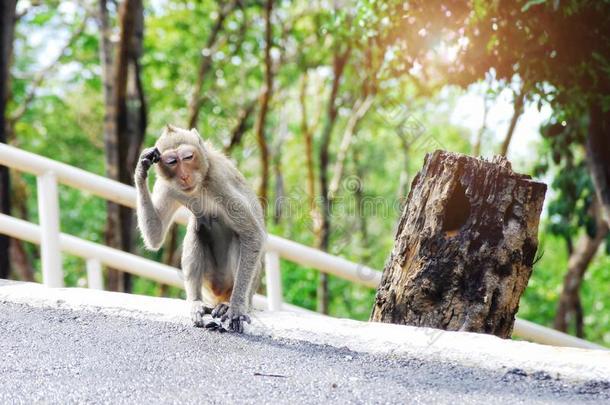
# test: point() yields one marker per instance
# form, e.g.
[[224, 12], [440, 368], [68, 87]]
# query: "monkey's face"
[[182, 167]]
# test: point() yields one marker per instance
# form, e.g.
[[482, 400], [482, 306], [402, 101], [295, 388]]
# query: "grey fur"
[[223, 246]]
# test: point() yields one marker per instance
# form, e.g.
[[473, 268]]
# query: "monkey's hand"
[[148, 157], [235, 316], [198, 310]]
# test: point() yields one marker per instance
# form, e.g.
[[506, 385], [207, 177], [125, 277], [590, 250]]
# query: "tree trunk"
[[569, 307], [476, 146], [598, 153], [264, 108], [464, 248], [278, 205], [7, 27], [307, 133], [518, 110], [110, 141], [125, 120], [339, 62], [131, 110]]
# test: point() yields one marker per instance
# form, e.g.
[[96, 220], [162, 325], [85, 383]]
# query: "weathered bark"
[[339, 62], [518, 110], [265, 98], [569, 307], [598, 153], [7, 30], [465, 247]]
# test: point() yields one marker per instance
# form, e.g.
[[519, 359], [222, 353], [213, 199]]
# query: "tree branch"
[[518, 110], [361, 107], [569, 302], [242, 126], [206, 62]]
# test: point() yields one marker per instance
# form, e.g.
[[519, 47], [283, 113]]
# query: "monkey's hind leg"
[[228, 265], [193, 266]]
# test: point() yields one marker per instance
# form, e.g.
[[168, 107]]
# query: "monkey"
[[223, 246]]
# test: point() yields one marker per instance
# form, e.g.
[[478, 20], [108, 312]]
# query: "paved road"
[[65, 356]]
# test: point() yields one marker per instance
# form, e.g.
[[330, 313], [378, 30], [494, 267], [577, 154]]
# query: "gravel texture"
[[65, 356]]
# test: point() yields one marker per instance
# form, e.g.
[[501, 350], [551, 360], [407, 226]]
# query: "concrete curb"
[[469, 349]]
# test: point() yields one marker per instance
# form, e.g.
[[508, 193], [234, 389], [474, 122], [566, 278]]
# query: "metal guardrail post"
[[48, 211], [95, 278], [274, 281]]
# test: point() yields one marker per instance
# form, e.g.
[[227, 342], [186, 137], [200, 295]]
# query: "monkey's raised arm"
[[154, 212]]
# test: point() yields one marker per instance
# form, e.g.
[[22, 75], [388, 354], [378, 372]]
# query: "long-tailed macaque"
[[223, 246]]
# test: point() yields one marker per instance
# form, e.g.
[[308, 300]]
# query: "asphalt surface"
[[65, 356]]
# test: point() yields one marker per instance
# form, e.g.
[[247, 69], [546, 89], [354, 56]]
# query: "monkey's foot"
[[215, 325], [236, 318], [219, 310], [198, 310]]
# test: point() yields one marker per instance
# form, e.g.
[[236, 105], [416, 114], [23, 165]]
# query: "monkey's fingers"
[[213, 325], [198, 320], [237, 323], [145, 164], [156, 155], [219, 311], [153, 155], [198, 310]]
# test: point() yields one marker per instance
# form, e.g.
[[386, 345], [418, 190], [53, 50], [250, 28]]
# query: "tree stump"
[[464, 247]]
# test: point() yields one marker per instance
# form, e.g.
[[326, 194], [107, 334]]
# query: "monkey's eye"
[[188, 157], [171, 161]]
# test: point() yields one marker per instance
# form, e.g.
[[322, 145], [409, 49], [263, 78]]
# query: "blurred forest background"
[[328, 108]]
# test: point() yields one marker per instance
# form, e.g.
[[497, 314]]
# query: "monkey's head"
[[183, 160]]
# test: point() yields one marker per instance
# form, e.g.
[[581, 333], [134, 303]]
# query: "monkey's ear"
[[199, 138], [169, 128]]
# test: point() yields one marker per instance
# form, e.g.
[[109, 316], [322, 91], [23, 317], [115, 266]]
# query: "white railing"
[[50, 172]]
